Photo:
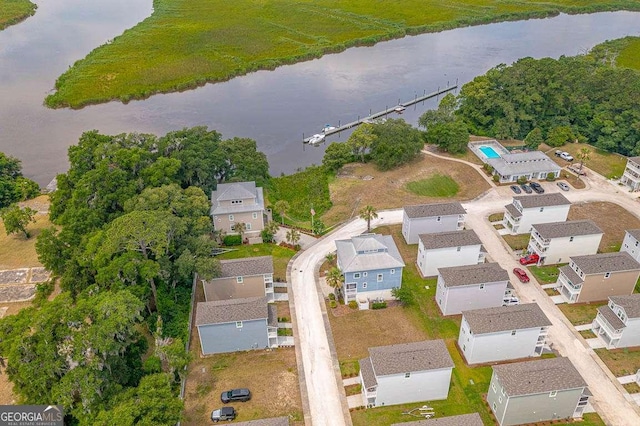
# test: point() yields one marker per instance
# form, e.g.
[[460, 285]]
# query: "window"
[[459, 248], [393, 271], [636, 243], [570, 239], [494, 406], [607, 274], [247, 226], [541, 209], [481, 286], [356, 275], [493, 386], [500, 399], [407, 375], [552, 394], [236, 201], [231, 218], [239, 280], [513, 332], [238, 324], [254, 215], [364, 285], [438, 219], [364, 274], [380, 276]]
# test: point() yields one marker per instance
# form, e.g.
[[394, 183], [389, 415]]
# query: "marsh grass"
[[14, 11]]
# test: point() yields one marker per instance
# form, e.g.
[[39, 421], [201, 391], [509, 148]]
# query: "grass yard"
[[630, 55], [587, 334], [187, 43], [611, 218], [609, 165], [580, 313], [441, 186], [546, 274], [14, 11], [281, 256], [517, 242], [632, 387], [621, 362], [496, 217], [350, 191]]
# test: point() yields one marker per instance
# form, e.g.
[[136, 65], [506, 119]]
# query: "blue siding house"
[[371, 265], [236, 325]]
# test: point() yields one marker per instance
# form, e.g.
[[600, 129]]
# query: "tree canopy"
[[396, 142], [443, 128], [13, 186]]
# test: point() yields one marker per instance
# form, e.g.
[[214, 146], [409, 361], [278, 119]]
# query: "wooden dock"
[[370, 118]]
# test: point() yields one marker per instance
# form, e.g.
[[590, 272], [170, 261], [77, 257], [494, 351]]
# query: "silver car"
[[563, 186]]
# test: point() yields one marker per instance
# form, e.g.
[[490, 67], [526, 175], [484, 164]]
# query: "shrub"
[[333, 304], [378, 305], [332, 296], [353, 304], [43, 291], [522, 180], [152, 365], [232, 240], [551, 177], [496, 178]]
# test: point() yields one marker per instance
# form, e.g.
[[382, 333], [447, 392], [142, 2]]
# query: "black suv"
[[235, 395], [224, 413], [537, 188]]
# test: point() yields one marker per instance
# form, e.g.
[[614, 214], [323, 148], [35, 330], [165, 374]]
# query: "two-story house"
[[631, 243], [525, 211], [239, 202], [409, 372], [556, 242], [443, 249], [461, 288], [240, 278], [503, 333], [631, 176], [472, 419], [371, 265], [236, 325], [595, 277], [537, 391], [431, 218], [618, 322]]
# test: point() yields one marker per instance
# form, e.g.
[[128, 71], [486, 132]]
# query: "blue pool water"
[[489, 152]]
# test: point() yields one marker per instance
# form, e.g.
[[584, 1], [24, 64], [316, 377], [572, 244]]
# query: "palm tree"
[[584, 155], [330, 257], [335, 279], [240, 228], [293, 236], [368, 213], [281, 206]]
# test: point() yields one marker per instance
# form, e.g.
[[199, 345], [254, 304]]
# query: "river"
[[273, 107]]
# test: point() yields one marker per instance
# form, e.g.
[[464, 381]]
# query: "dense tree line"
[[13, 186], [133, 227]]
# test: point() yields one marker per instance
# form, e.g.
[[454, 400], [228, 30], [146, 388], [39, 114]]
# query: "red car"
[[522, 275], [530, 259]]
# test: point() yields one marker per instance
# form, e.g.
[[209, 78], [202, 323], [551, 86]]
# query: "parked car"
[[564, 155], [537, 188], [224, 413], [510, 301], [522, 275], [526, 188], [577, 170], [530, 259], [242, 395], [563, 186], [515, 189]]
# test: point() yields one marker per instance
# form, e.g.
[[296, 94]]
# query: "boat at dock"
[[399, 109], [316, 139]]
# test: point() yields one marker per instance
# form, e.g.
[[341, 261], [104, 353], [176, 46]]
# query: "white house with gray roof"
[[472, 419], [236, 325], [503, 333], [525, 211], [462, 288], [372, 266], [631, 175], [631, 243], [529, 165], [596, 277], [242, 278], [444, 249], [431, 218], [409, 372], [537, 391], [556, 242], [239, 202], [618, 322]]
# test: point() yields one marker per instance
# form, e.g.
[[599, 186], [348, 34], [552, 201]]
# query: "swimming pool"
[[489, 152]]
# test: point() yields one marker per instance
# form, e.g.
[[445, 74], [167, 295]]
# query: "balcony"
[[602, 326], [631, 175], [542, 242]]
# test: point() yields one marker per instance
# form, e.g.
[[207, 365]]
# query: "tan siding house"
[[241, 202], [242, 278]]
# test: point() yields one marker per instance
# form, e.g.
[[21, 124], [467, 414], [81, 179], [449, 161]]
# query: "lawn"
[[621, 362], [580, 313], [630, 55], [517, 242], [546, 274], [187, 43], [281, 256], [14, 11], [441, 186], [496, 217], [609, 165]]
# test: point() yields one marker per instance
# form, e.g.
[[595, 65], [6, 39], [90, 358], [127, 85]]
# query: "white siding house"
[[618, 322], [443, 249], [631, 176], [503, 333], [525, 211], [409, 372], [528, 165], [431, 218], [555, 242], [462, 288], [631, 243]]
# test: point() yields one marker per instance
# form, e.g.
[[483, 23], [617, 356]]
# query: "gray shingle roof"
[[513, 211], [635, 159], [473, 274], [352, 256], [450, 239], [246, 266], [273, 421], [523, 163], [611, 317], [408, 357], [504, 318], [571, 275], [539, 376], [368, 376], [543, 200], [606, 262], [430, 210], [631, 304], [237, 191], [221, 311], [272, 315], [472, 419], [571, 228], [635, 233]]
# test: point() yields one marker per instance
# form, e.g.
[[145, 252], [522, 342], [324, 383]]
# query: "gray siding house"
[[631, 243], [536, 391], [408, 372], [472, 419], [471, 287], [431, 218], [503, 333], [242, 278], [443, 249], [618, 322], [236, 325], [371, 265]]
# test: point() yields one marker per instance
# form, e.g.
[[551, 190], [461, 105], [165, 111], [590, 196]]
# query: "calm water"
[[273, 107]]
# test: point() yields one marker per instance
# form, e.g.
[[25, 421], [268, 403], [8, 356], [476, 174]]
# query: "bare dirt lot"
[[611, 218]]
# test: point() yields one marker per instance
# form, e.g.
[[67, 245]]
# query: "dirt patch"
[[611, 218], [621, 362]]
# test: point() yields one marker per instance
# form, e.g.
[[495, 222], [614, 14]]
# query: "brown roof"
[[571, 228], [513, 211], [450, 239], [472, 419], [473, 274], [246, 266], [606, 262], [503, 318], [221, 311], [368, 376], [273, 421], [543, 200], [430, 210], [635, 233], [408, 357], [611, 317], [635, 159], [630, 304], [539, 376]]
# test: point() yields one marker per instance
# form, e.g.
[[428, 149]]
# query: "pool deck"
[[476, 146]]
